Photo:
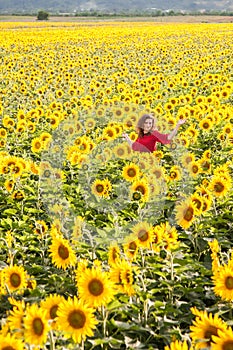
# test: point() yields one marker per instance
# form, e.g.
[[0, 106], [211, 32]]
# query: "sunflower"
[[194, 168], [204, 191], [62, 253], [183, 140], [143, 234], [54, 121], [101, 188], [122, 275], [9, 237], [76, 319], [197, 200], [157, 238], [3, 133], [205, 124], [142, 187], [16, 167], [158, 172], [8, 164], [31, 127], [131, 248], [192, 133], [223, 341], [220, 186], [205, 326], [222, 170], [15, 317], [82, 266], [205, 165], [206, 204], [31, 283], [109, 133], [2, 143], [68, 129], [227, 129], [36, 325], [169, 236], [10, 342], [100, 112], [78, 127], [155, 186], [8, 122], [41, 227], [59, 93], [118, 127], [130, 172], [21, 115], [50, 304], [222, 137], [214, 246], [95, 287], [77, 228], [168, 106], [136, 196], [121, 151], [128, 123], [133, 136], [107, 185], [187, 159], [175, 173], [33, 168], [9, 185], [98, 188], [74, 158], [178, 345], [158, 154], [37, 145], [15, 278], [45, 137], [225, 93], [113, 254], [23, 163], [82, 145], [223, 282], [185, 213], [90, 123], [143, 164]]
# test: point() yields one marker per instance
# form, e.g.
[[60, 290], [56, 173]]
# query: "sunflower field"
[[102, 247]]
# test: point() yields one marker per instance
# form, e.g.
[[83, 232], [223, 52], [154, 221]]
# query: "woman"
[[148, 136]]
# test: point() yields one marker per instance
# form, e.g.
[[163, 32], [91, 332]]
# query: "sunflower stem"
[[143, 258], [145, 312], [105, 317], [172, 266], [51, 340], [214, 206], [172, 275], [230, 311], [143, 284]]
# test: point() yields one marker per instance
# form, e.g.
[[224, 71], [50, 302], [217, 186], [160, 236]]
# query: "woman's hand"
[[181, 121], [127, 138], [174, 132]]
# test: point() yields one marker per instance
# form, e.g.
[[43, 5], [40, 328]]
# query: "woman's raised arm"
[[174, 131]]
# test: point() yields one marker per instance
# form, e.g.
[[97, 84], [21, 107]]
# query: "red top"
[[147, 143]]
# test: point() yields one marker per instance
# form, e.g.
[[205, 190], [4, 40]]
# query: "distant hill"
[[115, 6]]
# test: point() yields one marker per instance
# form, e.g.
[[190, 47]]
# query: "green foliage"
[[42, 15]]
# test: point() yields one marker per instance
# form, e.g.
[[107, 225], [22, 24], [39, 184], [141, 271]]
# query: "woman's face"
[[148, 124]]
